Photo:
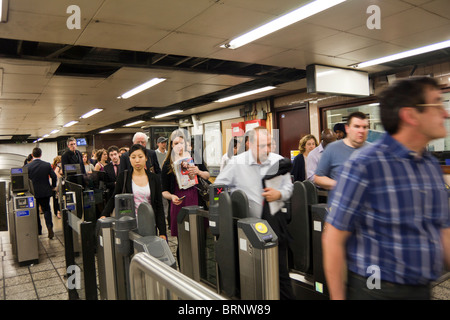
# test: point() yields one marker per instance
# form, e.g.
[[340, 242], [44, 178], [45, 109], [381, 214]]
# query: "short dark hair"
[[356, 114], [113, 148], [36, 153], [403, 93]]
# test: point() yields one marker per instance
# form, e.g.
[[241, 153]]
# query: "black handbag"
[[203, 188]]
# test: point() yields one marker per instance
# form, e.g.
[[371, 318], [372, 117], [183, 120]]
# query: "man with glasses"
[[387, 234]]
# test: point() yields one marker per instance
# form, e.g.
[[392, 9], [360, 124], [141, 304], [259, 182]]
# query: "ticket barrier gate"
[[242, 246], [23, 223], [119, 239], [78, 212], [305, 227]]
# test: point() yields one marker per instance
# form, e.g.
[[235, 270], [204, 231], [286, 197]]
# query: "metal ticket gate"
[[119, 239], [79, 218], [305, 227], [23, 223], [227, 214]]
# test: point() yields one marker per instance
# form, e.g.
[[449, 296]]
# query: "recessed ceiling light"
[[404, 54], [167, 114], [244, 94], [91, 113], [106, 130], [282, 22], [69, 124], [134, 123], [142, 87]]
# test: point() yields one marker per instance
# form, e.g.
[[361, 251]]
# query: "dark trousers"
[[278, 222], [45, 205], [357, 290]]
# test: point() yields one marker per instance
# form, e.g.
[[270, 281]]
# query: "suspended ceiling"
[[53, 75]]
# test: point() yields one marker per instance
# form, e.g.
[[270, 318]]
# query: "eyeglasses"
[[439, 106]]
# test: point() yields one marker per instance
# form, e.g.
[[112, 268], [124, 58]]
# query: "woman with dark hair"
[[143, 184]]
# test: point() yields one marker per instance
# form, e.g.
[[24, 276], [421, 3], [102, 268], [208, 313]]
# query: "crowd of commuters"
[[388, 206]]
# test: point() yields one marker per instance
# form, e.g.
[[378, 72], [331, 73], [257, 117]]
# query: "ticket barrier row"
[[306, 227], [23, 218], [79, 217], [119, 238], [245, 249]]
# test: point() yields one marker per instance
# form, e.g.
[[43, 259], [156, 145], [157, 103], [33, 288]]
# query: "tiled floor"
[[45, 280], [42, 281]]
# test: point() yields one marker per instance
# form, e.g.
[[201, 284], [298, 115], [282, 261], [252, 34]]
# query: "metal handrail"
[[150, 279]]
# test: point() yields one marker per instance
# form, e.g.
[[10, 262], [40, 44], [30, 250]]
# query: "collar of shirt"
[[400, 151]]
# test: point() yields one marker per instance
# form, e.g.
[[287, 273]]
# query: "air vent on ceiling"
[[85, 70]]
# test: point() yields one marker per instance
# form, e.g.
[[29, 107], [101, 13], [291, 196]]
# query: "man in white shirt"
[[245, 172], [161, 153]]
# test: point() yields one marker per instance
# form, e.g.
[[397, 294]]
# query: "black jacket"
[[169, 180], [152, 160], [155, 196], [39, 172], [70, 157]]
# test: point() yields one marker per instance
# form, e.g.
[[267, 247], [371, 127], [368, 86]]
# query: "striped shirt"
[[394, 203]]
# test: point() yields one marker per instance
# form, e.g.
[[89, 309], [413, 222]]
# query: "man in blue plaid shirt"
[[387, 234]]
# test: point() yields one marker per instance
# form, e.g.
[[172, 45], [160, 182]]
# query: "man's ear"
[[409, 116]]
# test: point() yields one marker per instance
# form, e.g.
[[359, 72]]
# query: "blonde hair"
[[304, 140]]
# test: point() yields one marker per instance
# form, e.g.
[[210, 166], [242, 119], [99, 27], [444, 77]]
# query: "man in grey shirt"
[[336, 153]]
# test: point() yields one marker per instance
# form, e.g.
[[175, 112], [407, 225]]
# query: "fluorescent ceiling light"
[[405, 54], [91, 113], [3, 10], [142, 87], [134, 123], [282, 22], [45, 136], [55, 131], [167, 114], [106, 130], [69, 124], [244, 94]]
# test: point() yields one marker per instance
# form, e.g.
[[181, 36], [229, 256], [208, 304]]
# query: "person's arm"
[[324, 182], [334, 260], [445, 238]]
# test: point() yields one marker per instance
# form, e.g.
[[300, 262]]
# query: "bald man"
[[313, 158]]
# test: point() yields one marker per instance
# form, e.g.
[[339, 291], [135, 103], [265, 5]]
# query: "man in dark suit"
[[72, 155], [112, 170], [39, 172], [152, 163]]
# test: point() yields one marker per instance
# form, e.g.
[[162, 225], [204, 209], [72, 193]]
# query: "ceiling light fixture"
[[405, 54], [3, 10], [142, 87], [167, 114], [134, 123], [55, 131], [282, 22], [244, 94], [106, 130], [69, 124], [91, 113]]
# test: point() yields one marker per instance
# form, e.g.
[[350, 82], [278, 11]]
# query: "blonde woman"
[[306, 144]]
